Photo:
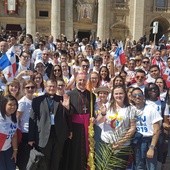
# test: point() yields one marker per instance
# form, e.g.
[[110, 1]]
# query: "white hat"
[[37, 62], [147, 46]]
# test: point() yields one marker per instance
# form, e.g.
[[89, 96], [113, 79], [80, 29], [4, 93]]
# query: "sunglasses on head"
[[153, 89]]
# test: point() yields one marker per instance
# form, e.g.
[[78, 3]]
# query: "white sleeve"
[[166, 111], [155, 116], [21, 107]]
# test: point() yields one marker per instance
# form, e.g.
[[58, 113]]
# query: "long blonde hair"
[[13, 82]]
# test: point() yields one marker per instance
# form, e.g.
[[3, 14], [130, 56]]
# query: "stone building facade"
[[100, 18]]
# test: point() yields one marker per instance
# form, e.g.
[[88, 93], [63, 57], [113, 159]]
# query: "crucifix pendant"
[[85, 109]]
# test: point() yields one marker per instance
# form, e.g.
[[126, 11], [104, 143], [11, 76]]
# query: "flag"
[[2, 140], [8, 64], [119, 56]]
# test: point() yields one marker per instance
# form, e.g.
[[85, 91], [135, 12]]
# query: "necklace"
[[83, 102]]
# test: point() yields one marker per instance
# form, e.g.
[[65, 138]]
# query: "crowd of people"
[[61, 86]]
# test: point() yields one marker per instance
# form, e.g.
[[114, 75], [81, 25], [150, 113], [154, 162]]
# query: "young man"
[[140, 78], [148, 124]]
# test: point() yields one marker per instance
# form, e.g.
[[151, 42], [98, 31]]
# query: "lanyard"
[[50, 102]]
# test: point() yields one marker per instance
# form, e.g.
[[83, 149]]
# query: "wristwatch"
[[152, 147]]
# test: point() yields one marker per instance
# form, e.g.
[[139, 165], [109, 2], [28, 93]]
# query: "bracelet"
[[15, 149], [152, 147]]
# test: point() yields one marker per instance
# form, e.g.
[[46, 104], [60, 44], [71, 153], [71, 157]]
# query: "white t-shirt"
[[37, 55], [24, 106], [8, 128], [145, 121], [117, 124], [157, 106]]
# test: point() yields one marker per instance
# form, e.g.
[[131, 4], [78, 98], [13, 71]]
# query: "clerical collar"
[[50, 95], [81, 90]]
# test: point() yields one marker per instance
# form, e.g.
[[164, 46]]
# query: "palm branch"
[[107, 159]]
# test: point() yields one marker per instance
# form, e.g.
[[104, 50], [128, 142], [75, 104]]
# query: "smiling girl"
[[8, 135]]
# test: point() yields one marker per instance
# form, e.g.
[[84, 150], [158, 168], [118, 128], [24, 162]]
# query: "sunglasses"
[[30, 87], [137, 95], [142, 77], [145, 62], [87, 66]]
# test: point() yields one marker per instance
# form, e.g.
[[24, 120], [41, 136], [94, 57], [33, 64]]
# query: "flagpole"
[[91, 163]]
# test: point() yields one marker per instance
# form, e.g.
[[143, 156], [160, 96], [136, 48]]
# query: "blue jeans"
[[6, 163], [141, 160]]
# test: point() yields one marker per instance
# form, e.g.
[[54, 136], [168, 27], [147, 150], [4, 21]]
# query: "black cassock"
[[78, 146]]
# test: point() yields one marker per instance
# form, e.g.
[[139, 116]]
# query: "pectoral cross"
[[85, 109]]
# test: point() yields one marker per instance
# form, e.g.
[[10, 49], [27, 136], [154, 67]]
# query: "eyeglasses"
[[30, 87], [45, 54], [142, 77], [87, 66], [145, 62], [137, 95], [57, 70], [26, 57]]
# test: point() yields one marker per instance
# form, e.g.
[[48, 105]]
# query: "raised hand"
[[66, 101]]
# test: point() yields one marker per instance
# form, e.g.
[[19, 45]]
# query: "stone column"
[[30, 17], [103, 19], [69, 19], [55, 19], [138, 19]]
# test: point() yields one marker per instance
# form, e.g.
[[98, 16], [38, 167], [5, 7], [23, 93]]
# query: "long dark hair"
[[148, 87], [113, 101], [52, 76], [4, 100], [107, 77]]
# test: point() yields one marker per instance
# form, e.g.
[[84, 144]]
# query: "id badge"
[[52, 119]]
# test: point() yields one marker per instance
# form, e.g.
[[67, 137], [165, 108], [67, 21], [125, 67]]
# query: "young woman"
[[162, 87], [23, 115], [77, 64], [56, 72], [93, 81], [60, 87], [13, 88], [152, 94], [118, 121], [8, 135], [102, 100], [118, 80], [104, 76], [38, 79]]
